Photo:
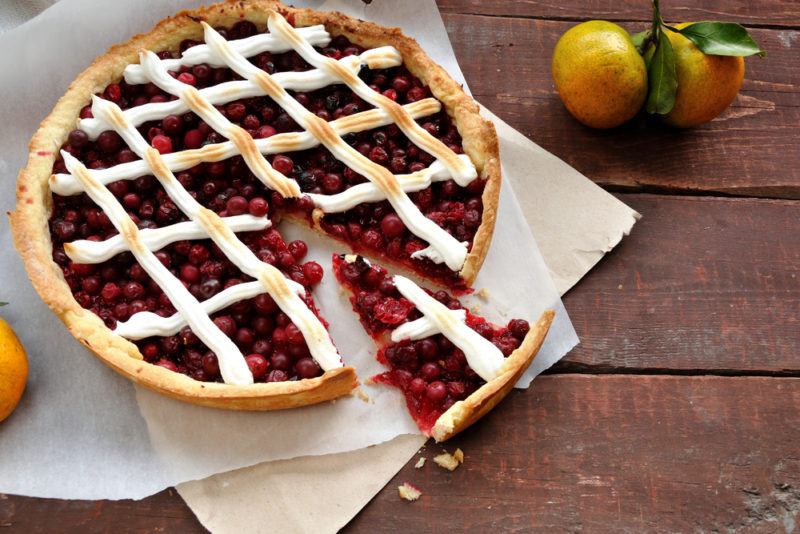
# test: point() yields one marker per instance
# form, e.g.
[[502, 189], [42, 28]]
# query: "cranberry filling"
[[118, 288], [432, 373]]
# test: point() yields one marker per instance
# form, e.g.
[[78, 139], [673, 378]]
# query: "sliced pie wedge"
[[452, 366]]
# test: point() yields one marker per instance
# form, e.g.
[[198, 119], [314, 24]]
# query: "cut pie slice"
[[452, 366], [144, 214]]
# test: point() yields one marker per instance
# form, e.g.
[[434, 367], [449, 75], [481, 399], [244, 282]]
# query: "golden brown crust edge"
[[464, 413]]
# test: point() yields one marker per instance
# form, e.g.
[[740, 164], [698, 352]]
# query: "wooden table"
[[679, 410]]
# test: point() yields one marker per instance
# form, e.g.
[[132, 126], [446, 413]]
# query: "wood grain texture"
[[701, 285], [778, 13], [162, 512], [750, 150], [615, 454]]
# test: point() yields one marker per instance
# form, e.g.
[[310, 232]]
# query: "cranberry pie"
[[145, 213], [452, 365]]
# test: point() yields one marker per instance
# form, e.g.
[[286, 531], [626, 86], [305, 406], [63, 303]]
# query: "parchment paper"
[[77, 433]]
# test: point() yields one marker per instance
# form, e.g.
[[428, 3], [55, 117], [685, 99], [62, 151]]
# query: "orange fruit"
[[13, 370], [599, 74], [706, 84]]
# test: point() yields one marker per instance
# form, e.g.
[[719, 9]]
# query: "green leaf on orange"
[[640, 40], [721, 39], [662, 77]]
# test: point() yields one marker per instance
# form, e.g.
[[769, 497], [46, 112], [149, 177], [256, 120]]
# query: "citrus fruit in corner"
[[599, 74], [13, 370], [706, 84]]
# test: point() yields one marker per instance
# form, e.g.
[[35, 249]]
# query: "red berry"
[[235, 111], [187, 78], [378, 154], [167, 364], [258, 207], [193, 139], [172, 124], [298, 249], [392, 226], [265, 131], [162, 143], [430, 371], [110, 292], [237, 205], [210, 364], [306, 368], [265, 304], [283, 164], [313, 273], [417, 386], [190, 273], [415, 93], [401, 84], [226, 324], [332, 183], [519, 327], [257, 364], [436, 391], [392, 311], [293, 335]]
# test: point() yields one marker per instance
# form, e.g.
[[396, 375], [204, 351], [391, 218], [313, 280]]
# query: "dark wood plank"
[[702, 284], [784, 13], [750, 150], [615, 454], [162, 512]]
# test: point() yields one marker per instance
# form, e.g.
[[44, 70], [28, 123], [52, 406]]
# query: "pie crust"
[[464, 413], [29, 222]]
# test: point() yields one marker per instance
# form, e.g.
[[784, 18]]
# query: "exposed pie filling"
[[431, 372], [275, 349]]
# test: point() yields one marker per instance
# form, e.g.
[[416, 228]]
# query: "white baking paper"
[[77, 433]]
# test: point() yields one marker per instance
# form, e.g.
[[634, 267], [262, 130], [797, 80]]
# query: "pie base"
[[464, 413], [29, 222]]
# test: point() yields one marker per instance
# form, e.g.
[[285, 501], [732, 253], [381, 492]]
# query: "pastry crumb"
[[475, 309], [450, 461], [420, 463], [482, 293], [409, 492], [362, 395]]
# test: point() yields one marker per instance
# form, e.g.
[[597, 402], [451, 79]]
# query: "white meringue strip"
[[249, 46], [304, 81], [422, 327], [65, 184], [482, 355], [369, 192], [147, 324], [232, 366], [86, 251]]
